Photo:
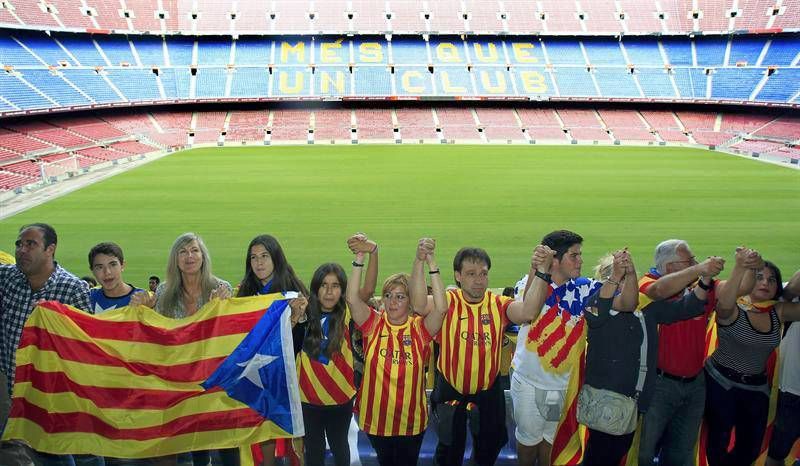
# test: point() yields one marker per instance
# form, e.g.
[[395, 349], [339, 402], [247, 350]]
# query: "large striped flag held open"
[[127, 383]]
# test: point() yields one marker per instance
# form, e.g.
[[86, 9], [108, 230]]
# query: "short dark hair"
[[154, 277], [561, 240], [48, 232], [472, 255], [109, 249]]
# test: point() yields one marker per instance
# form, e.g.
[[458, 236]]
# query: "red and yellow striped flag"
[[126, 383]]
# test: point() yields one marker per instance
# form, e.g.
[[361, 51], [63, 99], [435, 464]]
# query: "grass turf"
[[501, 198]]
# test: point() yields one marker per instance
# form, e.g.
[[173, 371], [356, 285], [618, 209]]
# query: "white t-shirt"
[[790, 360]]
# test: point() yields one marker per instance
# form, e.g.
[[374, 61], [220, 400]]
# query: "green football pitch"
[[501, 198]]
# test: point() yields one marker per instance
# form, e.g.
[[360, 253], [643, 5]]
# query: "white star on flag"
[[569, 298], [253, 366]]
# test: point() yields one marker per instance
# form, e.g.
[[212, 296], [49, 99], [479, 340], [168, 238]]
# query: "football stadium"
[[485, 123]]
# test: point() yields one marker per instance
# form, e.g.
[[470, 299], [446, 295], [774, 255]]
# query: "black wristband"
[[705, 287], [544, 276], [433, 272], [356, 264]]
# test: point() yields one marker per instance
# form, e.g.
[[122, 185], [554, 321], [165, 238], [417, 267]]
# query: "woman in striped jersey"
[[392, 407], [748, 330], [325, 364]]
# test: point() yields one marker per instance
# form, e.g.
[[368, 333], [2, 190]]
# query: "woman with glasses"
[[748, 331], [392, 406]]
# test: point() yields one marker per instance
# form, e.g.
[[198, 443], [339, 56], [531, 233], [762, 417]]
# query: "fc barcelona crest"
[[486, 319]]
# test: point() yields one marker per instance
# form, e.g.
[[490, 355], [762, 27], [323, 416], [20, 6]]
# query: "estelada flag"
[[126, 383]]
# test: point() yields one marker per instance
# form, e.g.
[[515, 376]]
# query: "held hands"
[[542, 258], [748, 258], [359, 243], [425, 249], [711, 267], [298, 307], [220, 292], [143, 298], [622, 265]]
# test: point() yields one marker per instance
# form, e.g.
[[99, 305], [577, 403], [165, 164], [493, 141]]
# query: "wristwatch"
[[544, 276]]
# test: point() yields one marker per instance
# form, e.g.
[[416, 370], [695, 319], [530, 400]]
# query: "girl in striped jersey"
[[748, 330], [325, 364], [266, 270], [392, 407]]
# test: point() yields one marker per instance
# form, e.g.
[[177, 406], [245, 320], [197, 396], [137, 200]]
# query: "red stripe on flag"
[[70, 349], [232, 324], [55, 423], [307, 387], [117, 398]]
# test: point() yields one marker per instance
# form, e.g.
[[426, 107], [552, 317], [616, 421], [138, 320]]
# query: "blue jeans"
[[47, 459], [673, 421]]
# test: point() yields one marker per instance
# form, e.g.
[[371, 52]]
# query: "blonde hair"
[[397, 279], [170, 302], [604, 267]]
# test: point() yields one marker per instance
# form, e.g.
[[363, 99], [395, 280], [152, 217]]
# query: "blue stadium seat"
[[372, 80], [11, 53], [685, 80], [678, 50], [45, 48], [92, 84], [253, 51], [782, 51], [413, 80], [332, 81], [735, 83], [533, 81], [136, 84], [213, 52], [291, 81], [781, 86], [566, 51], [527, 53], [292, 51], [616, 82], [409, 52], [643, 51], [494, 80], [452, 80], [211, 82], [574, 82], [249, 81], [180, 50], [604, 51], [117, 49], [55, 87], [710, 50], [21, 95], [150, 50], [655, 82], [169, 82], [746, 49], [83, 49], [370, 51], [448, 51]]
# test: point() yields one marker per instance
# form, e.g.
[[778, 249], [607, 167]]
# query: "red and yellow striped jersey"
[[471, 338], [331, 382], [391, 399]]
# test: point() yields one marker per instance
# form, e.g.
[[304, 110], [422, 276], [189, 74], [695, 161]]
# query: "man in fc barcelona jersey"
[[466, 388]]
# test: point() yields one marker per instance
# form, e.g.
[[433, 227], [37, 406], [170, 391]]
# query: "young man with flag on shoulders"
[[549, 345], [470, 341]]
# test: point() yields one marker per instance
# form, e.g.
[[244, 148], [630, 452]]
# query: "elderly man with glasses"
[[675, 412]]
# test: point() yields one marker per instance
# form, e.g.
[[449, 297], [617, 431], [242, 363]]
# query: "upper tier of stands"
[[403, 16], [66, 70]]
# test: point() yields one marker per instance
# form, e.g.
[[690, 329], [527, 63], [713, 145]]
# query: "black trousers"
[[606, 450], [399, 450], [332, 422], [487, 423], [746, 410]]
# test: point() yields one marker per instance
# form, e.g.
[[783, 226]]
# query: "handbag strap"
[[642, 354]]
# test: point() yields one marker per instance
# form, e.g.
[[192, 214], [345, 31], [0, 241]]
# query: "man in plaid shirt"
[[35, 277]]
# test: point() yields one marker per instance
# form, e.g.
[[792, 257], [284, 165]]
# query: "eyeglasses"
[[689, 261]]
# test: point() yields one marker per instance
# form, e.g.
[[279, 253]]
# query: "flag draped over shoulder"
[[127, 383], [570, 437]]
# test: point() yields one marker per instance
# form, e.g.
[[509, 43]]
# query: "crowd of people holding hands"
[[643, 339]]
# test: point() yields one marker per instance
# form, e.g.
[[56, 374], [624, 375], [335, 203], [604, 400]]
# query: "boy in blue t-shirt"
[[107, 264]]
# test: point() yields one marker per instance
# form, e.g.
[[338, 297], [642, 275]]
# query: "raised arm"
[[628, 298], [359, 309], [360, 243], [727, 291], [420, 301], [536, 289], [674, 283], [792, 289], [435, 318]]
